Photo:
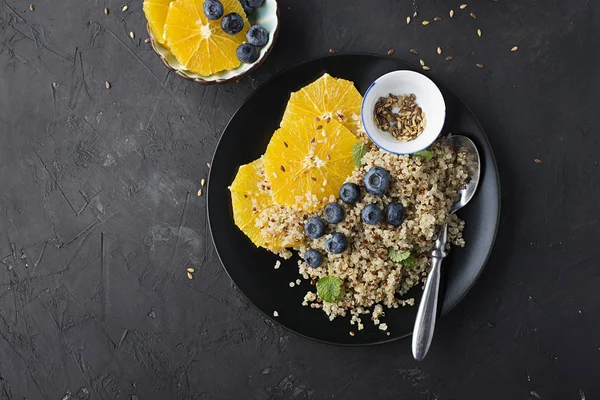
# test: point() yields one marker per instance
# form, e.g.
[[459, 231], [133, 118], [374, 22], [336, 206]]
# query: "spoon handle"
[[425, 322]]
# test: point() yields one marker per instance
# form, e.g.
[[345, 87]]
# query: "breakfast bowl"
[[267, 16], [429, 101]]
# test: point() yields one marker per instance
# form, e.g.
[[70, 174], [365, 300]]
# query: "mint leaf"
[[358, 151], [424, 153], [409, 262], [329, 288], [398, 256]]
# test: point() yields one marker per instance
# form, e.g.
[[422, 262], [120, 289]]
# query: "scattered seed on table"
[[31, 7], [107, 84], [125, 8], [425, 22], [537, 161], [190, 276], [439, 50], [199, 192], [449, 58], [352, 333], [479, 33], [437, 18], [426, 68], [421, 62], [473, 15], [203, 181], [191, 270], [132, 35], [413, 51], [463, 6], [480, 66], [147, 40], [415, 14], [208, 164], [390, 52], [451, 13], [408, 20], [105, 11], [331, 51], [515, 48], [275, 314]]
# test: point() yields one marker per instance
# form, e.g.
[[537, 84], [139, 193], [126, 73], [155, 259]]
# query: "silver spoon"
[[425, 322]]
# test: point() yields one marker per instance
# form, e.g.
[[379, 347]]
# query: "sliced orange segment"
[[156, 14], [307, 161], [248, 199], [326, 98], [199, 44], [252, 201]]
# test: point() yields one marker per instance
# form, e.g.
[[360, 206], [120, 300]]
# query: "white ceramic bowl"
[[429, 98], [266, 15]]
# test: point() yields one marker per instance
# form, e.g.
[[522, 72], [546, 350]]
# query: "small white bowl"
[[266, 15], [429, 98]]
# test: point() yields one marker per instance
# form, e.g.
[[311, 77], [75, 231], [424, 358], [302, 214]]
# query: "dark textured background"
[[99, 216]]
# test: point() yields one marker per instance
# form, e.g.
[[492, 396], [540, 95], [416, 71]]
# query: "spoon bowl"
[[465, 145]]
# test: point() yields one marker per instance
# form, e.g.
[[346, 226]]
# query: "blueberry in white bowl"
[[213, 9], [257, 36], [246, 53], [232, 23]]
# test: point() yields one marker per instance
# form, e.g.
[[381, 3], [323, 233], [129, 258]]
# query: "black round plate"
[[245, 139]]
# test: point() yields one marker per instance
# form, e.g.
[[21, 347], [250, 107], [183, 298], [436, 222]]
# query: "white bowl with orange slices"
[[198, 48]]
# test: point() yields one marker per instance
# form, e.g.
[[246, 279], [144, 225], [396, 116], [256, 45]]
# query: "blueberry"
[[255, 3], [246, 7], [333, 213], [257, 36], [314, 228], [350, 193], [246, 53], [395, 213], [232, 23], [371, 214], [337, 243], [313, 258], [213, 9], [377, 180]]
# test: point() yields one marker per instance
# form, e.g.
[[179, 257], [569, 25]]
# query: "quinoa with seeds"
[[371, 281]]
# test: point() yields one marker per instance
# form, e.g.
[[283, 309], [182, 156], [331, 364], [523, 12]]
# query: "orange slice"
[[326, 98], [156, 14], [307, 161], [254, 210], [199, 44]]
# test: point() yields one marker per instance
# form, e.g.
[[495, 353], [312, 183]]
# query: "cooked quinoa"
[[371, 280]]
